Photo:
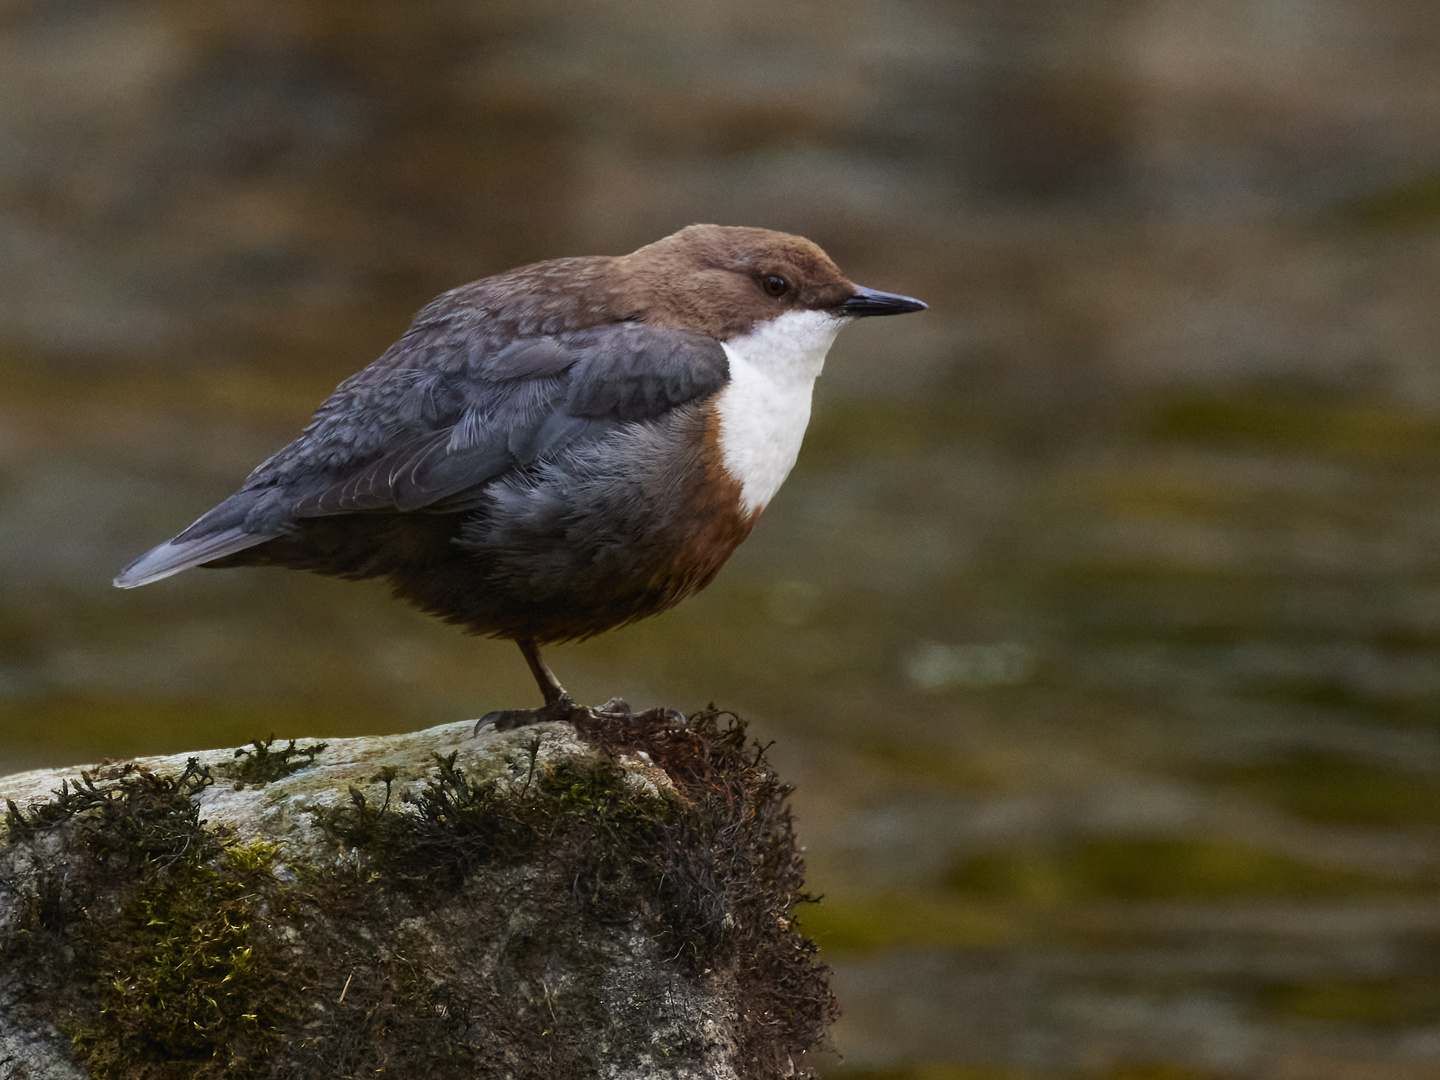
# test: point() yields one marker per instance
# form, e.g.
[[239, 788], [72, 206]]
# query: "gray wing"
[[432, 422]]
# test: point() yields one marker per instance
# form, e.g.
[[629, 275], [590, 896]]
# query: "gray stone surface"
[[366, 876]]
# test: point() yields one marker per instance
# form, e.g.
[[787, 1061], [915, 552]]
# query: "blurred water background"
[[1099, 625]]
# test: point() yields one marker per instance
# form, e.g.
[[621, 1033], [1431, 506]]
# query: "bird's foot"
[[619, 709], [562, 708], [565, 709]]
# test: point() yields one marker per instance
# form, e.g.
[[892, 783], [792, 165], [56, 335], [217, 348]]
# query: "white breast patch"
[[765, 406]]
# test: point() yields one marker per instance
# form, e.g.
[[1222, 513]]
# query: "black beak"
[[873, 302]]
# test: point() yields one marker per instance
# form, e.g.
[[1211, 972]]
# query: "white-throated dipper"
[[557, 450]]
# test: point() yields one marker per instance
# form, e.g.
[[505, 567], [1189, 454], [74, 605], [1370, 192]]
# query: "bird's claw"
[[616, 708], [619, 709], [672, 718], [508, 719]]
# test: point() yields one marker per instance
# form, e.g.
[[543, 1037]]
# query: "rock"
[[612, 899]]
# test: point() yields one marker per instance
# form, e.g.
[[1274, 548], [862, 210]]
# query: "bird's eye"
[[774, 285]]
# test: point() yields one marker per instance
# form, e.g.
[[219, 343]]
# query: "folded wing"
[[429, 425]]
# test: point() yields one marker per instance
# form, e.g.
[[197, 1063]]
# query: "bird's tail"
[[230, 527]]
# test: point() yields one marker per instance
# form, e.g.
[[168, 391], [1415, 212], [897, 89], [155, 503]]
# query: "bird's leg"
[[558, 705], [549, 685]]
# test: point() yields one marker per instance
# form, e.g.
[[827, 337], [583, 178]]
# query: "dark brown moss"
[[263, 765], [711, 873]]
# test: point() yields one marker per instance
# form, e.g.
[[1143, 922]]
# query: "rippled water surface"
[[1098, 627]]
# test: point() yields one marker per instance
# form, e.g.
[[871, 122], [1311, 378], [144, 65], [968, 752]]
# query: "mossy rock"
[[544, 902]]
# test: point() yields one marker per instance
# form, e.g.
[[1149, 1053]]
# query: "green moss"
[[167, 949], [1154, 869], [150, 916]]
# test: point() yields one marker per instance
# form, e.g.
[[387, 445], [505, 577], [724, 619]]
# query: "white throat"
[[765, 406]]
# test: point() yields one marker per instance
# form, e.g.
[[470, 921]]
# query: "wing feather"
[[442, 415], [532, 399]]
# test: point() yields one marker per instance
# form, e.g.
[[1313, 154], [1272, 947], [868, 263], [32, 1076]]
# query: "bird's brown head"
[[722, 280]]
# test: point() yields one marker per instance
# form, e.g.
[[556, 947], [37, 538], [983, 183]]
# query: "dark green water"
[[1099, 625]]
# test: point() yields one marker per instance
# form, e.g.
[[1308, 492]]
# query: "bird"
[[557, 450]]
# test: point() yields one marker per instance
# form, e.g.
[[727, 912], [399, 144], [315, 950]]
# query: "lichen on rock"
[[544, 902]]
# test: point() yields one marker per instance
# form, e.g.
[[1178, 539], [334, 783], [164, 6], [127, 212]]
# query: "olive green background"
[[1099, 625]]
